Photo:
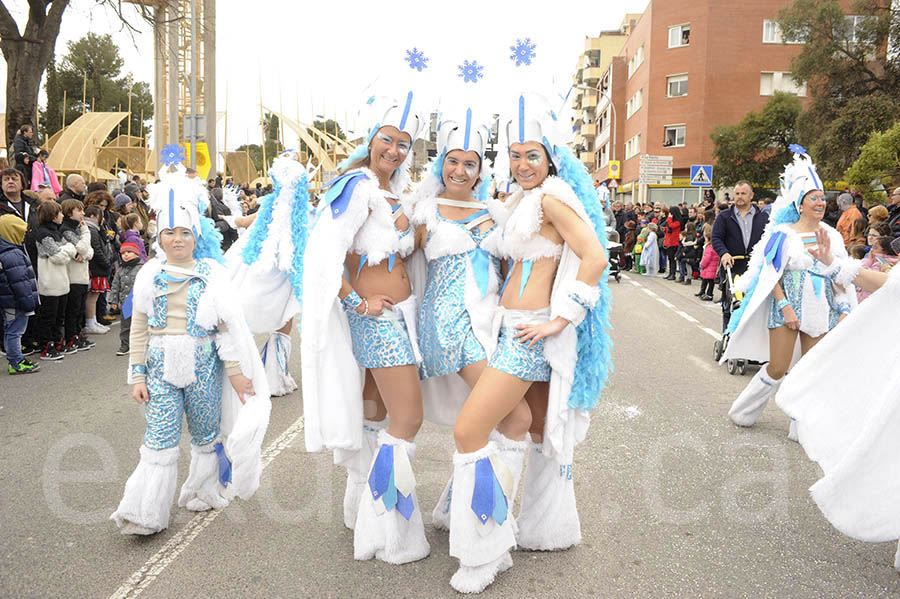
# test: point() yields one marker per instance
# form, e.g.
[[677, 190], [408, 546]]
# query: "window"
[[604, 155], [772, 34], [634, 103], [676, 86], [633, 146], [679, 35], [674, 136], [636, 61], [854, 25], [776, 81]]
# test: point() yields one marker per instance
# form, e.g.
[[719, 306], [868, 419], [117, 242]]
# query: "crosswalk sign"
[[701, 175]]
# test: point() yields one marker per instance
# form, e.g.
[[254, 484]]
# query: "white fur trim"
[[571, 309], [147, 500], [548, 520], [848, 268], [277, 349], [143, 286], [179, 366], [201, 490]]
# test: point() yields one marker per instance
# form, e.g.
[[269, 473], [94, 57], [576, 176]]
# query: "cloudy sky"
[[327, 57]]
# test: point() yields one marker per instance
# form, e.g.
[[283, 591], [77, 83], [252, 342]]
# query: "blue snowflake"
[[797, 149], [470, 72], [172, 154], [523, 51], [416, 59]]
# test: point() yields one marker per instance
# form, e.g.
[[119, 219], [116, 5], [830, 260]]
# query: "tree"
[[878, 163], [852, 71], [329, 126], [756, 149], [96, 60]]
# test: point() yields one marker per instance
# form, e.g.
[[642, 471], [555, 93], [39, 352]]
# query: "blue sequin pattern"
[[793, 282], [519, 360], [158, 319], [201, 401], [380, 341]]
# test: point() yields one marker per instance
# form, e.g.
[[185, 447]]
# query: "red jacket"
[[37, 177], [709, 263], [673, 233]]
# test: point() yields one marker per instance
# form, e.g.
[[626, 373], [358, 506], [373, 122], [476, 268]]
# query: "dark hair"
[[10, 172], [880, 228], [96, 186], [884, 243], [95, 197], [93, 210], [69, 206], [857, 251], [131, 220], [744, 182], [44, 153], [859, 228], [25, 127], [47, 211]]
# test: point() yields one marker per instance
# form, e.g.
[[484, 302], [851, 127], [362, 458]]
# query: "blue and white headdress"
[[797, 180], [182, 201]]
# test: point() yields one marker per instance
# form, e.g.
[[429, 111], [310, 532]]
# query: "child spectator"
[[99, 270], [709, 264], [638, 250], [630, 241], [858, 232], [42, 176], [882, 257], [74, 231], [650, 255], [18, 292], [130, 263], [54, 255], [131, 231], [687, 255]]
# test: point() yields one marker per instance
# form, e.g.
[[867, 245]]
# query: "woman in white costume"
[[359, 318], [266, 266], [848, 418], [788, 304], [186, 336], [462, 281], [551, 236]]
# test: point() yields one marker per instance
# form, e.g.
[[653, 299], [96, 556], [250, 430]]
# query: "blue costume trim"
[[224, 464], [339, 192], [381, 483], [594, 345], [362, 150], [526, 274], [209, 243], [488, 500], [250, 252]]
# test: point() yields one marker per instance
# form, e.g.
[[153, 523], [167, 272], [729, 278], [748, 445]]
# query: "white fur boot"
[[147, 501], [359, 470], [201, 491], [276, 353], [481, 523], [440, 515], [752, 401], [389, 523], [548, 520], [897, 557], [792, 431]]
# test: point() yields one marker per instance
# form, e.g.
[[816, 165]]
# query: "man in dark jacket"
[[894, 212], [24, 153], [736, 230], [75, 188]]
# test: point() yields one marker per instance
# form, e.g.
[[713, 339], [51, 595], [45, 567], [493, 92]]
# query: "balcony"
[[593, 43], [603, 136], [589, 100], [589, 130], [593, 74], [587, 158]]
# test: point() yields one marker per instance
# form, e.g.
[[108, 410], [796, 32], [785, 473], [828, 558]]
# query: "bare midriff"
[[375, 280], [540, 283]]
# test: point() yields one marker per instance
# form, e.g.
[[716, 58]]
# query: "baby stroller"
[[734, 365], [616, 254]]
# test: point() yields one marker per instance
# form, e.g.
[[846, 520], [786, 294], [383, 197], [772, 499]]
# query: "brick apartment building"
[[685, 67]]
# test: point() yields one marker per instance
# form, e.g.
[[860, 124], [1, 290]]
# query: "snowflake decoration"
[[797, 149], [416, 59], [523, 51], [172, 154], [470, 72]]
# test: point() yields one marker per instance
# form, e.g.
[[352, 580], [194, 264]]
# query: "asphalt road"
[[675, 501]]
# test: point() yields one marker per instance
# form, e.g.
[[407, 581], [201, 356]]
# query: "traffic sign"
[[614, 169], [656, 181], [656, 170], [701, 175], [613, 184], [652, 158]]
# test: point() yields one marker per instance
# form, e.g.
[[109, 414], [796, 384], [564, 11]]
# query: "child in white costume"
[[554, 234], [358, 316], [847, 420], [789, 305], [266, 267], [185, 335]]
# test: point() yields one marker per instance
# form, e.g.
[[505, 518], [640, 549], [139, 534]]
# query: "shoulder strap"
[[460, 203]]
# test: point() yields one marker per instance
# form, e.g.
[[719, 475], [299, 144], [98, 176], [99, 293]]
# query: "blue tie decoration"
[[526, 274], [481, 268], [774, 249], [224, 464], [128, 305], [817, 282], [391, 481], [488, 497], [339, 192]]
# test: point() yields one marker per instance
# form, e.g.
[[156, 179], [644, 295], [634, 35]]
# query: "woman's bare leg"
[[286, 329], [807, 342], [537, 398], [494, 397], [402, 395], [781, 349], [516, 423], [373, 406]]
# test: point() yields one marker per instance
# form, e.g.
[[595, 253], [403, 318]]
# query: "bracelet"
[[783, 303], [366, 311], [139, 369], [843, 308], [351, 301]]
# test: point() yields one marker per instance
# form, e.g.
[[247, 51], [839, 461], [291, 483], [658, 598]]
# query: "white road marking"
[[665, 303], [714, 334], [687, 317], [138, 582], [648, 292]]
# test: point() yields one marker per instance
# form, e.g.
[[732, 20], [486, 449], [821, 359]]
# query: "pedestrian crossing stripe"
[[701, 175]]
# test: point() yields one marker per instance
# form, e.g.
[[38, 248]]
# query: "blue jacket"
[[728, 239], [18, 285]]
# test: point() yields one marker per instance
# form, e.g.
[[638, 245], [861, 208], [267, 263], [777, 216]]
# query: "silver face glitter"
[[535, 158]]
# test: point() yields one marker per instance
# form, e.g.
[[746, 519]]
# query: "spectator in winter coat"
[[18, 292], [24, 153], [130, 263], [132, 226], [42, 176], [75, 231], [709, 264], [672, 230], [687, 254], [849, 214], [75, 188], [99, 269], [54, 255]]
